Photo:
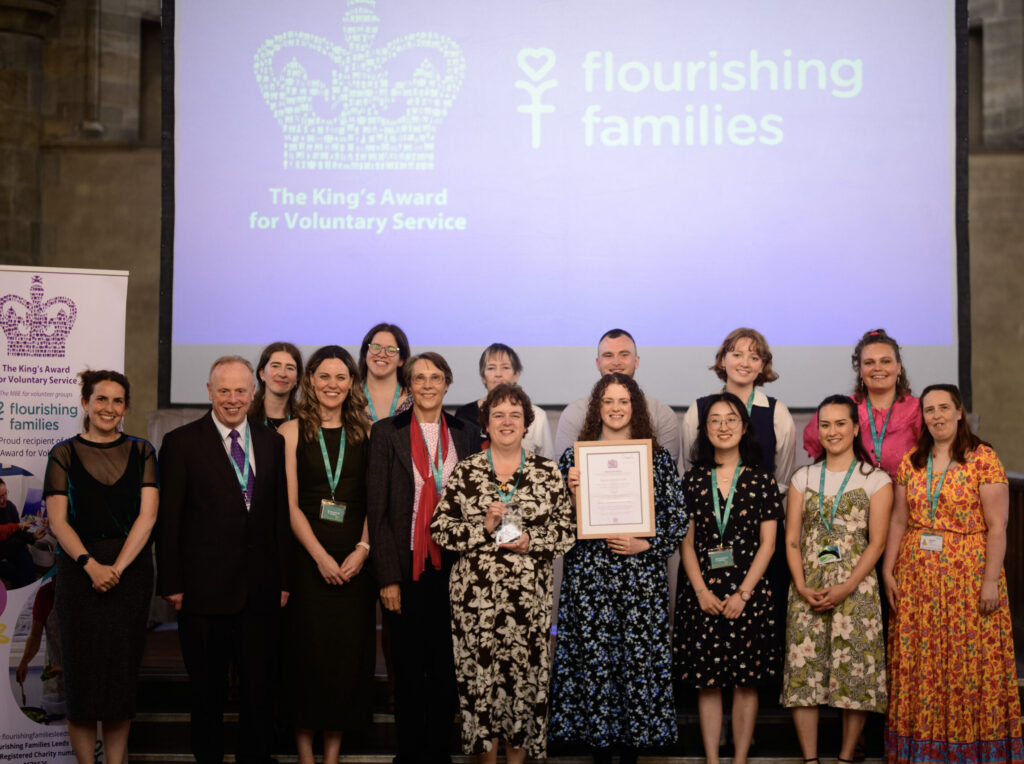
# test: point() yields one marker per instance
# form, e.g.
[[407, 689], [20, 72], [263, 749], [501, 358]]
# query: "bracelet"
[[702, 591], [364, 545]]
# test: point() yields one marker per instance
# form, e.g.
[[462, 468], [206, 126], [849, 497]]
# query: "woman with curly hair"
[[888, 415], [612, 684], [329, 620]]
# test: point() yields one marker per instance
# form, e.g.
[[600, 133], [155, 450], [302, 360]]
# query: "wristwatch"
[[745, 596], [82, 559]]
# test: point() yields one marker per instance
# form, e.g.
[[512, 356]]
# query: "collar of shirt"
[[760, 399], [225, 436]]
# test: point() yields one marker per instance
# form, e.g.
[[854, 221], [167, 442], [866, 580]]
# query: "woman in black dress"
[[725, 627], [329, 620], [101, 497]]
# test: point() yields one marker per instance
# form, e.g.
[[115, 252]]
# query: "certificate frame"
[[616, 492]]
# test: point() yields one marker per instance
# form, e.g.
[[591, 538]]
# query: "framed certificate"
[[616, 493]]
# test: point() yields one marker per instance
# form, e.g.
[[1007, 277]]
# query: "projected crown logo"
[[360, 119], [34, 327]]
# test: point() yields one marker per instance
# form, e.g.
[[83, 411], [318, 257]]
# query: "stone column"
[[22, 27]]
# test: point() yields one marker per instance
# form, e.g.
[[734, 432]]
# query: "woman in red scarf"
[[412, 455]]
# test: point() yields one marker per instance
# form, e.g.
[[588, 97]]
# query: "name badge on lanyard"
[[932, 542], [330, 510], [830, 553], [721, 557]]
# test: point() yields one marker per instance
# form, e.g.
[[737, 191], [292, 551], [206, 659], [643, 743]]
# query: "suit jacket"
[[208, 545], [391, 488]]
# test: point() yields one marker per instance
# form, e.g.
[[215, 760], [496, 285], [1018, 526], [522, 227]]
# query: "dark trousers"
[[424, 667], [209, 645]]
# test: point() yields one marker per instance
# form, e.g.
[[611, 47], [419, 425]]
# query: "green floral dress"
[[835, 658]]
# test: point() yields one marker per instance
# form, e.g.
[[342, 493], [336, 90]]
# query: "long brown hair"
[[257, 411], [640, 419], [964, 441], [353, 410], [878, 337]]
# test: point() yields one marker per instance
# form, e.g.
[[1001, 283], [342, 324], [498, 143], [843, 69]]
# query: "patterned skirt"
[[953, 679]]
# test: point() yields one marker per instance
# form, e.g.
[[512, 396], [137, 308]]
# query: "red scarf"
[[422, 544]]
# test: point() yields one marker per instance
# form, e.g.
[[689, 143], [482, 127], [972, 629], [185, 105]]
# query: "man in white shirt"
[[616, 352]]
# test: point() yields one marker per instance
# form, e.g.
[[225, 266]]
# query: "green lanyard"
[[878, 437], [723, 521], [933, 498], [504, 493], [243, 475], [750, 399], [266, 419], [333, 476], [835, 503], [437, 463], [394, 401]]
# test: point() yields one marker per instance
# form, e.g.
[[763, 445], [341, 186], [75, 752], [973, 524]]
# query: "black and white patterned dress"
[[712, 651], [501, 601]]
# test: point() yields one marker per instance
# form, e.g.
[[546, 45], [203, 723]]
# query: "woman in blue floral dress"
[[612, 682]]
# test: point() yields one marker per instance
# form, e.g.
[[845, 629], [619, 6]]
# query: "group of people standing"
[[274, 548]]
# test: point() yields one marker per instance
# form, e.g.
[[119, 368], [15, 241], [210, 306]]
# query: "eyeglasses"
[[419, 380], [376, 348], [729, 422]]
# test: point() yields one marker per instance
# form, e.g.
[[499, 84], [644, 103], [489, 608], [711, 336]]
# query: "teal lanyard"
[[394, 401], [504, 493], [266, 419], [333, 476], [243, 475], [933, 498], [723, 521], [750, 399], [878, 437], [437, 463], [835, 504]]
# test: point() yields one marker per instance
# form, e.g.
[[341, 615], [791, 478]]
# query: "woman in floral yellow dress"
[[953, 677], [837, 514]]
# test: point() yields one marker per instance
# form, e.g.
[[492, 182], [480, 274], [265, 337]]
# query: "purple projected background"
[[838, 215]]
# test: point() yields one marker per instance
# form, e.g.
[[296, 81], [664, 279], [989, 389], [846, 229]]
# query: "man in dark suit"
[[412, 575], [222, 540]]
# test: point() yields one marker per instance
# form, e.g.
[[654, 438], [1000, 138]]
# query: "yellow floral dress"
[[837, 657], [952, 670]]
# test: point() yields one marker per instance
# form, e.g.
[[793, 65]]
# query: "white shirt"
[[538, 437], [225, 436], [785, 438]]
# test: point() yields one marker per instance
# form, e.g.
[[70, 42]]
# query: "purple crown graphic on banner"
[[34, 327]]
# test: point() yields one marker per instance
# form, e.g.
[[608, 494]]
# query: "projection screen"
[[538, 172]]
